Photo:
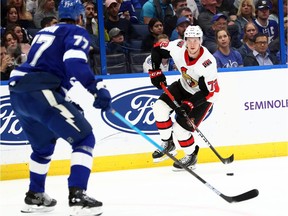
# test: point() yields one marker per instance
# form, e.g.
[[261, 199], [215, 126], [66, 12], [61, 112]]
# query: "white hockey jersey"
[[191, 70]]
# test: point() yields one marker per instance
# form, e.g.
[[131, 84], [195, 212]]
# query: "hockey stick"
[[231, 199], [223, 160]]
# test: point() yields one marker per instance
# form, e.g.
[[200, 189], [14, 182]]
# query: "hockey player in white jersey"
[[195, 91]]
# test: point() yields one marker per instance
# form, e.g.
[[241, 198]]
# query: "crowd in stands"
[[237, 32]]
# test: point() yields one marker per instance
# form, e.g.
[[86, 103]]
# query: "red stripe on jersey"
[[186, 143], [164, 125], [187, 59]]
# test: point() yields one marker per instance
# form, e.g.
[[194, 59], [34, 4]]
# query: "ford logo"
[[135, 106], [10, 129]]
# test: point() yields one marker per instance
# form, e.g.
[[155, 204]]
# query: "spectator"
[[225, 6], [170, 23], [274, 46], [31, 6], [48, 21], [12, 20], [91, 24], [155, 27], [264, 25], [127, 10], [245, 14], [166, 65], [11, 17], [13, 48], [182, 24], [260, 55], [206, 15], [250, 30], [274, 11], [45, 8], [25, 18], [237, 4], [6, 63], [193, 7], [161, 9], [183, 12], [225, 56], [113, 20], [117, 43], [186, 12], [22, 39], [219, 22]]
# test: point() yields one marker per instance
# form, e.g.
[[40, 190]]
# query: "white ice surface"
[[162, 192]]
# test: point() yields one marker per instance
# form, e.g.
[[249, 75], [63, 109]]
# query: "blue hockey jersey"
[[61, 50]]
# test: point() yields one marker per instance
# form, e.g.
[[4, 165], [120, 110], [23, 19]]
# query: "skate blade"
[[165, 157], [80, 211], [193, 167], [36, 209]]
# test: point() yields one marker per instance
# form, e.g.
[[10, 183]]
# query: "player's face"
[[193, 46]]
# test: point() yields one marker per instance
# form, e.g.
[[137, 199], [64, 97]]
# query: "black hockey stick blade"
[[242, 197], [228, 160]]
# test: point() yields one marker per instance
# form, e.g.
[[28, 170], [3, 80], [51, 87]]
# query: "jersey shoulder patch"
[[206, 63], [180, 43]]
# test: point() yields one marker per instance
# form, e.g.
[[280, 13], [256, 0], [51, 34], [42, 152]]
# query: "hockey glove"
[[184, 109], [157, 77], [102, 97]]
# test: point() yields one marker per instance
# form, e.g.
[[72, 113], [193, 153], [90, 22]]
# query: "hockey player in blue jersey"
[[58, 57]]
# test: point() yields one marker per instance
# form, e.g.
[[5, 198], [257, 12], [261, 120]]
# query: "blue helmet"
[[70, 9]]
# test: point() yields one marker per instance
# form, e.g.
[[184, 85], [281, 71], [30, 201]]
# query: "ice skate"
[[83, 205], [168, 146], [188, 161], [38, 202]]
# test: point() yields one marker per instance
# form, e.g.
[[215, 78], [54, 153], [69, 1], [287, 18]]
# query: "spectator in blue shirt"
[[225, 56]]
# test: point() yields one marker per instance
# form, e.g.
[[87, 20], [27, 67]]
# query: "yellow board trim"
[[144, 160]]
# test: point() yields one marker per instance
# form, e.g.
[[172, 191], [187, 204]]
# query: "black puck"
[[229, 174]]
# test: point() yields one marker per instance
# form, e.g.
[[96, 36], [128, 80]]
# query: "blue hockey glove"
[[157, 77]]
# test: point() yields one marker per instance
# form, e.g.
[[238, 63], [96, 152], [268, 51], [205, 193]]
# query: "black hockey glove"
[[184, 109], [157, 77], [102, 96]]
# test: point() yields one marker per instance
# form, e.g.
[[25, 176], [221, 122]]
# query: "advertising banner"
[[252, 108]]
